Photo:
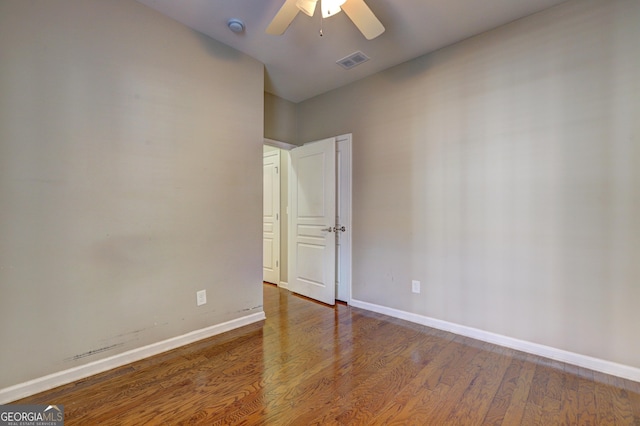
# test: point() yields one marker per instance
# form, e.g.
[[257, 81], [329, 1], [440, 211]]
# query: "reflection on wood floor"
[[313, 364]]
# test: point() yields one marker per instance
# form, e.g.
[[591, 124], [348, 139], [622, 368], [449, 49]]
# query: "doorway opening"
[[337, 224]]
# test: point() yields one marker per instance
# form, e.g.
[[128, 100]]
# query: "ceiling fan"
[[356, 10]]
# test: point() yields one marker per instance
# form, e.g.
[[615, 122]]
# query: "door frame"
[[344, 182]]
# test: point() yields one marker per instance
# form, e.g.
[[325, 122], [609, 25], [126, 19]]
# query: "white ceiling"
[[300, 64]]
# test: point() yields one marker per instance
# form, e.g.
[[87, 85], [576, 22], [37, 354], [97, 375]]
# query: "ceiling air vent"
[[352, 60]]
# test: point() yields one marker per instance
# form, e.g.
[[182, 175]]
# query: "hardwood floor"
[[311, 364]]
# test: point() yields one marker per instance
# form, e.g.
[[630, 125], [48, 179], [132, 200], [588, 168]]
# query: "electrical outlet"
[[201, 297], [415, 286]]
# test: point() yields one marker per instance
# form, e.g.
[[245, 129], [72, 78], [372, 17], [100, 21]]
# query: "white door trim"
[[344, 171], [279, 144]]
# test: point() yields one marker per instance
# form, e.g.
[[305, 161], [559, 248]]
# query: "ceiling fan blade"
[[307, 6], [283, 18], [363, 18]]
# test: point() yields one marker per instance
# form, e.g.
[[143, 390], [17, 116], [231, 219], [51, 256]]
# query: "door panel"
[[270, 217], [312, 271]]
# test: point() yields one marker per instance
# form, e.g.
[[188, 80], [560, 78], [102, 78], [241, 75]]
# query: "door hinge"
[[277, 216], [276, 169], [277, 264]]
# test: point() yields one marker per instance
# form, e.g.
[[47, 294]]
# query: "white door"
[[312, 241], [271, 217]]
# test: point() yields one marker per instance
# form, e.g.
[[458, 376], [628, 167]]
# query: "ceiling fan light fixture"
[[330, 7], [308, 7], [356, 10]]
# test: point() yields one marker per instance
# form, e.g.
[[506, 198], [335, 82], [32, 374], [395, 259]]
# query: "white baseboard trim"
[[284, 284], [596, 364], [51, 381]]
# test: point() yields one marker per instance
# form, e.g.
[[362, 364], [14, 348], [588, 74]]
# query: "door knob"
[[329, 229]]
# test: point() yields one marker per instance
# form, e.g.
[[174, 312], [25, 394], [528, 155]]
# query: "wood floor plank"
[[432, 402], [414, 400], [634, 399], [622, 404], [369, 360], [504, 394], [587, 407], [477, 399], [446, 412], [568, 413], [533, 410], [604, 400], [515, 410], [372, 393], [313, 364], [293, 379], [350, 401]]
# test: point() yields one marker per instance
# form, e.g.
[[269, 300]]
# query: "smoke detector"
[[352, 60], [235, 25]]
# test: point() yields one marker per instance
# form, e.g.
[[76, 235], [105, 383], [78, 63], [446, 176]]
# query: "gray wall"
[[504, 173], [130, 178], [280, 119]]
